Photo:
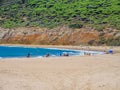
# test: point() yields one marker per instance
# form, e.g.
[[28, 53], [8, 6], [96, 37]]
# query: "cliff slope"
[[62, 35]]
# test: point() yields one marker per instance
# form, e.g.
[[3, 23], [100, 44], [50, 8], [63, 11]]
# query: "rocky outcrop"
[[58, 36]]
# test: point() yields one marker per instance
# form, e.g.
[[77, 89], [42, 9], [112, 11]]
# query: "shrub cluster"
[[51, 13], [110, 41]]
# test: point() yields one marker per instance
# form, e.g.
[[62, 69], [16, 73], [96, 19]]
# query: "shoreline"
[[116, 49], [80, 51]]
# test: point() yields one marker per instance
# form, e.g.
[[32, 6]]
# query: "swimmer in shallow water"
[[65, 54], [28, 55], [47, 55]]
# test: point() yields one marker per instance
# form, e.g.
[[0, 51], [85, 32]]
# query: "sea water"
[[20, 51]]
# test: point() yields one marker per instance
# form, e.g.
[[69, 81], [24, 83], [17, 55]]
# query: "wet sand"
[[98, 72]]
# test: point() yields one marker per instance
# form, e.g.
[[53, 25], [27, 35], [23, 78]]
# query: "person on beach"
[[60, 54], [47, 55], [65, 54], [28, 55], [110, 51]]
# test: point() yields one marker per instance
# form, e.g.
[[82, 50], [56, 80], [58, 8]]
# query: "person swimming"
[[47, 55], [28, 55], [65, 54]]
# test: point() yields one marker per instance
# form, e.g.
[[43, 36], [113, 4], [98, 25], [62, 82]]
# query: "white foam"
[[62, 49], [39, 57]]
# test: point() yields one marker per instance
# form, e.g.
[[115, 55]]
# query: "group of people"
[[47, 55], [67, 54], [87, 53], [64, 54]]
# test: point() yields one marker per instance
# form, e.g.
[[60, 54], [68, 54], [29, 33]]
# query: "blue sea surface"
[[19, 52]]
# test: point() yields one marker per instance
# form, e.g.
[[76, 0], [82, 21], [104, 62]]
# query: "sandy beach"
[[97, 72]]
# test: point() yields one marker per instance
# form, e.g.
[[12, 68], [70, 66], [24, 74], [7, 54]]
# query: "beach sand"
[[97, 72]]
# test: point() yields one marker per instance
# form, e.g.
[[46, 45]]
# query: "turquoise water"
[[19, 52]]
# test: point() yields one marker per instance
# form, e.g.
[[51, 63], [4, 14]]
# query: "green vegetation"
[[113, 42], [51, 13], [110, 41]]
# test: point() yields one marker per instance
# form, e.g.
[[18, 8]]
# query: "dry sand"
[[99, 72]]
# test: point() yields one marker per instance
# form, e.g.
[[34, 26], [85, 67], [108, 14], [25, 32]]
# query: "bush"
[[102, 40], [75, 26], [113, 42], [55, 12]]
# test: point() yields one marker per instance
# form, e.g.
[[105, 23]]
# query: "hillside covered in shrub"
[[51, 13]]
